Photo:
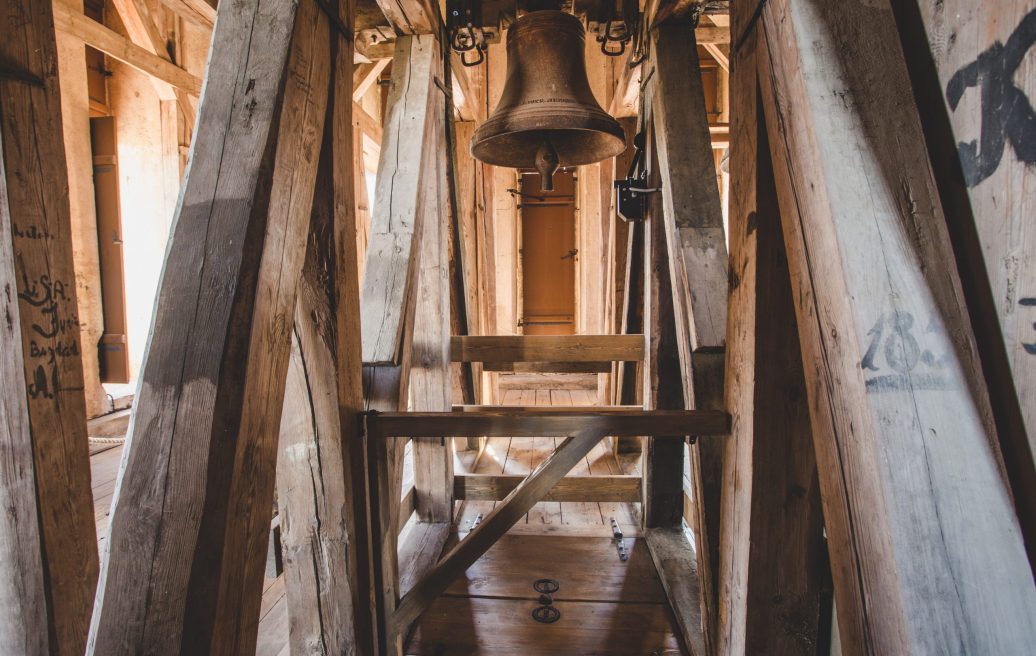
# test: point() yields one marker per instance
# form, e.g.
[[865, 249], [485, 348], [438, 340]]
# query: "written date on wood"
[[901, 354]]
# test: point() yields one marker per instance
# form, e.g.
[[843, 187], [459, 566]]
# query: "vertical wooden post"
[[663, 462], [967, 68], [321, 478], [23, 619], [388, 297], [927, 555], [186, 550], [772, 581], [696, 246], [430, 385], [47, 390]]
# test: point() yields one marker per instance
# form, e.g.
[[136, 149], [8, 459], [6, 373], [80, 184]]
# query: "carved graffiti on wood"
[[1007, 114]]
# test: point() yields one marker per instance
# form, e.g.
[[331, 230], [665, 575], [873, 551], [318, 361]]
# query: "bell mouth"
[[574, 146]]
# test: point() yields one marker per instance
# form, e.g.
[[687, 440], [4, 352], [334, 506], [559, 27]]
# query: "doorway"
[[548, 253]]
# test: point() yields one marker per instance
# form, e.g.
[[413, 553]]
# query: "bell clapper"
[[546, 164]]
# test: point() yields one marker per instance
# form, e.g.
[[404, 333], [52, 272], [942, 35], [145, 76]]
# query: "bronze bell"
[[547, 116]]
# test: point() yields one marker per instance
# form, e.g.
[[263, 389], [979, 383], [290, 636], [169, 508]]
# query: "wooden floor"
[[607, 606]]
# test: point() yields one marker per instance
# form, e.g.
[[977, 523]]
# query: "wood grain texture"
[[406, 187], [320, 476], [892, 378], [115, 45], [390, 270], [486, 487], [191, 514], [547, 348], [23, 618], [430, 375], [547, 423], [38, 232], [971, 76]]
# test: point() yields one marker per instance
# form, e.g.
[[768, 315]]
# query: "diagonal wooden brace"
[[506, 514]]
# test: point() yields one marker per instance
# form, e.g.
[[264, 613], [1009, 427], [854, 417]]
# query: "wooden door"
[[548, 255]]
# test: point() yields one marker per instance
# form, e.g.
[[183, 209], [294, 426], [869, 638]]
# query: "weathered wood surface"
[[191, 514], [676, 562], [199, 12], [142, 28], [37, 234], [972, 74], [546, 348], [321, 480], [775, 597], [412, 16], [696, 245], [390, 270], [430, 375], [406, 188], [115, 45], [907, 458], [23, 603], [503, 423], [495, 487]]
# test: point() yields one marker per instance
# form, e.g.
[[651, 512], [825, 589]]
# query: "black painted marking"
[[1007, 114]]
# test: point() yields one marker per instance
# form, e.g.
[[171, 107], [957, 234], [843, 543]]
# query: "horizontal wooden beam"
[[555, 409], [494, 487], [546, 424], [547, 348], [115, 45], [549, 367], [199, 12]]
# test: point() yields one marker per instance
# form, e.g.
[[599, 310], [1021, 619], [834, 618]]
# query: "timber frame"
[[835, 413]]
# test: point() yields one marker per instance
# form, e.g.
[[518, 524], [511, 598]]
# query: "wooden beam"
[[954, 54], [143, 31], [23, 618], [204, 435], [504, 515], [490, 487], [366, 75], [673, 553], [406, 196], [412, 16], [115, 45], [45, 484], [430, 376], [506, 423], [321, 480], [772, 547], [547, 348], [550, 367], [695, 241], [197, 12], [391, 263], [879, 310]]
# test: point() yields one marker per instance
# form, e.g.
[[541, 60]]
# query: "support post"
[[388, 299], [908, 452], [697, 253], [968, 76], [773, 581], [321, 478], [46, 475], [186, 548]]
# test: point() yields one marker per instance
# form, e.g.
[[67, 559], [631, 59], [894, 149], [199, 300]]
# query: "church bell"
[[547, 116]]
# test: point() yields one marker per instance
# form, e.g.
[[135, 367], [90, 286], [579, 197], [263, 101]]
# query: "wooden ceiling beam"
[[366, 75], [119, 47], [143, 31], [198, 12], [412, 16]]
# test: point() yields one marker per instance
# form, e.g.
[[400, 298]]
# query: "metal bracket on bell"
[[619, 34], [462, 17]]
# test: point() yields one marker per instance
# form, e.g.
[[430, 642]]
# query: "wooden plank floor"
[[607, 606]]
